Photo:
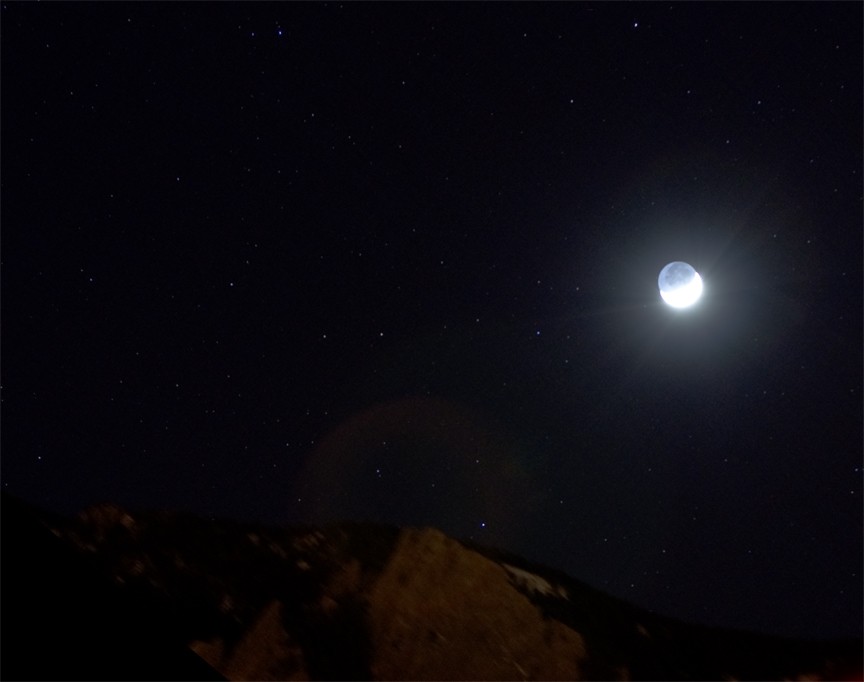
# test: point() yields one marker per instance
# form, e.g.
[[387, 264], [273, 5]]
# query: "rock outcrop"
[[439, 611]]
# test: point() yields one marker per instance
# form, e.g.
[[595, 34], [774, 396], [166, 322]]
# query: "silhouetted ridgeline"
[[119, 595]]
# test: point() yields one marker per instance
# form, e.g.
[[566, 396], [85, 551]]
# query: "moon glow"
[[680, 285]]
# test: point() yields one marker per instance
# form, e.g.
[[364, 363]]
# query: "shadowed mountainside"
[[112, 594], [63, 618]]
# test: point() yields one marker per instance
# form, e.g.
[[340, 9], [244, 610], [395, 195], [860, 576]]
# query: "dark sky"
[[287, 262]]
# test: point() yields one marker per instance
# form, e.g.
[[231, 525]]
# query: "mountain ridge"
[[361, 600]]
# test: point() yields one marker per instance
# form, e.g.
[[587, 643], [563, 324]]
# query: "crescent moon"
[[680, 284]]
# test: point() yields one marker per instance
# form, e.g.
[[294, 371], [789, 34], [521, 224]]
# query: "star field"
[[398, 262]]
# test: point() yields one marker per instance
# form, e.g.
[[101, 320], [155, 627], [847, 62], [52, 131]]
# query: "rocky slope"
[[357, 601]]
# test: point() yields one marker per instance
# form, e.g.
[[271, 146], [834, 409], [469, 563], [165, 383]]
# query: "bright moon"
[[680, 285]]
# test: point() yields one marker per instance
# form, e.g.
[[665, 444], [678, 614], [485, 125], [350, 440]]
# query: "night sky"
[[304, 262]]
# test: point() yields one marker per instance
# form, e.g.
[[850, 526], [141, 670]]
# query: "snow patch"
[[534, 584]]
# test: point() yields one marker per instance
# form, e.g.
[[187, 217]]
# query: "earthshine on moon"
[[680, 285]]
